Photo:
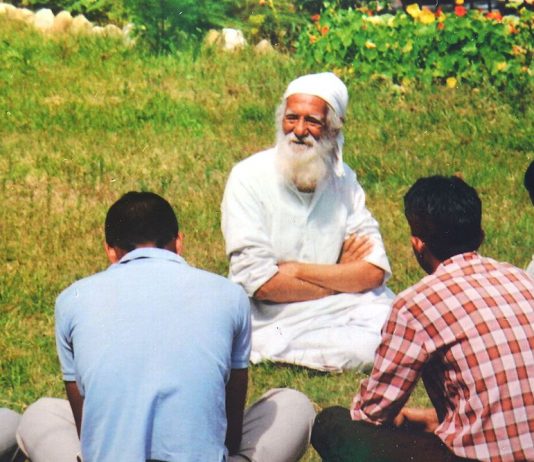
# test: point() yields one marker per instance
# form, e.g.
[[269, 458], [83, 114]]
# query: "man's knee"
[[40, 418], [327, 423], [294, 403]]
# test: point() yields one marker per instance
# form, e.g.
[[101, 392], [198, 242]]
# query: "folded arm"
[[342, 277], [297, 281]]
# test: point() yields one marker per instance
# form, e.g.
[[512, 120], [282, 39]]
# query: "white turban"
[[331, 89]]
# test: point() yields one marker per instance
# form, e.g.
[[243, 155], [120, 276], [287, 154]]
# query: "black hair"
[[446, 213], [139, 218], [529, 180]]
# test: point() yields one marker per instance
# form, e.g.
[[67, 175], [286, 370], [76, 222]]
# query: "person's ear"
[[112, 253], [417, 244], [482, 237], [180, 243]]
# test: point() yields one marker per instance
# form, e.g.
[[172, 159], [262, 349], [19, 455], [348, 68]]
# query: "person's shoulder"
[[349, 177], [216, 283], [80, 288], [511, 272], [417, 294], [256, 163]]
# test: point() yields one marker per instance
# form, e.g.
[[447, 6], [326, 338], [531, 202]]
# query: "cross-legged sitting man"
[[467, 329], [154, 355], [301, 241], [9, 421]]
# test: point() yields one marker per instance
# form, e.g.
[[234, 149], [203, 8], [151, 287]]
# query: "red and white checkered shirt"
[[468, 331]]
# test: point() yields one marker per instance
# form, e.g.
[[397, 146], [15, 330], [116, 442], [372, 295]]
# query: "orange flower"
[[495, 15], [439, 11], [441, 25], [324, 30], [460, 10], [262, 2], [316, 17], [313, 39], [513, 29]]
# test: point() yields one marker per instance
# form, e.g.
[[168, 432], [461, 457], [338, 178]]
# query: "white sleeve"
[[361, 222], [248, 246]]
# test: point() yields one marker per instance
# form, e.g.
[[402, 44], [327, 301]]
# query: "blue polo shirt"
[[150, 343]]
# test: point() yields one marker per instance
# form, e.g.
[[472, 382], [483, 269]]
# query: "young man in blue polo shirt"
[[154, 355]]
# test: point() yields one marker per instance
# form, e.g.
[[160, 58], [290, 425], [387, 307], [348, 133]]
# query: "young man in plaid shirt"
[[467, 330]]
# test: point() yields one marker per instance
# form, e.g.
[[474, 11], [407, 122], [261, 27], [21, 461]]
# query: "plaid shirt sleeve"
[[398, 364]]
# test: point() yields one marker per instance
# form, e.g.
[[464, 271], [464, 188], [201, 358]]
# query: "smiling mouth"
[[301, 142]]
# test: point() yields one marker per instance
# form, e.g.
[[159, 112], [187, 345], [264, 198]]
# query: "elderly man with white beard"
[[301, 241]]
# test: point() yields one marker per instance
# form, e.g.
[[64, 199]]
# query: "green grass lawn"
[[83, 121]]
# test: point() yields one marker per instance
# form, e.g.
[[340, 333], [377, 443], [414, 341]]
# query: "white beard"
[[304, 165]]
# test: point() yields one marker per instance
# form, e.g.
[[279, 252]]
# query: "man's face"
[[305, 115]]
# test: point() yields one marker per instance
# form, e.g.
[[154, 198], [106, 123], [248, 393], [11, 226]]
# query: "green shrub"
[[166, 25], [460, 47]]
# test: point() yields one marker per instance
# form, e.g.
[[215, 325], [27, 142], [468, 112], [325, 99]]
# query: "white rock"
[[128, 34], [98, 30], [263, 47], [233, 39], [23, 14], [81, 25], [212, 38], [43, 20], [7, 9], [62, 22], [111, 30]]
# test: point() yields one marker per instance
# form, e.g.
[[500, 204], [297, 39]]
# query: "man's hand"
[[355, 248], [424, 419]]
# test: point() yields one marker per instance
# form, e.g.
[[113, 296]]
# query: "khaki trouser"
[[276, 428]]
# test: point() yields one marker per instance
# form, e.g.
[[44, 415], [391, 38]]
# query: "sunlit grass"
[[83, 121]]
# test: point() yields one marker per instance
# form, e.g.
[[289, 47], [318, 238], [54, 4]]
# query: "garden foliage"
[[421, 45]]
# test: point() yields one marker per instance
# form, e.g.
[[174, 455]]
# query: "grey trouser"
[[276, 428], [9, 421]]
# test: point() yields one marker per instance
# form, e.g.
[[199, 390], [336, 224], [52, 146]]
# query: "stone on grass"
[[233, 39], [62, 22], [128, 34], [43, 20], [98, 30], [111, 30], [23, 14], [7, 9], [80, 25], [212, 38], [263, 47]]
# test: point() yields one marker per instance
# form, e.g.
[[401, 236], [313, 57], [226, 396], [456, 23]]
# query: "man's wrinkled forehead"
[[326, 86]]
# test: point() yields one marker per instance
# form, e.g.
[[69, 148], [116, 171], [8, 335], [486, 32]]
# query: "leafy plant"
[[165, 25], [421, 45]]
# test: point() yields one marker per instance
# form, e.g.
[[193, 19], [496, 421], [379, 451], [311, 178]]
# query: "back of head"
[[529, 180], [446, 213], [139, 218]]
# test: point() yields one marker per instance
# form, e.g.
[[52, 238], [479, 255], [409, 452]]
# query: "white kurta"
[[530, 267], [266, 221]]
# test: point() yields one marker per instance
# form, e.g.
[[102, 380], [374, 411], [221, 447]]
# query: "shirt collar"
[[460, 258], [150, 252]]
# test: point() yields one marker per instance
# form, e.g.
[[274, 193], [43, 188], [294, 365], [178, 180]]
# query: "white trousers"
[[276, 428]]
